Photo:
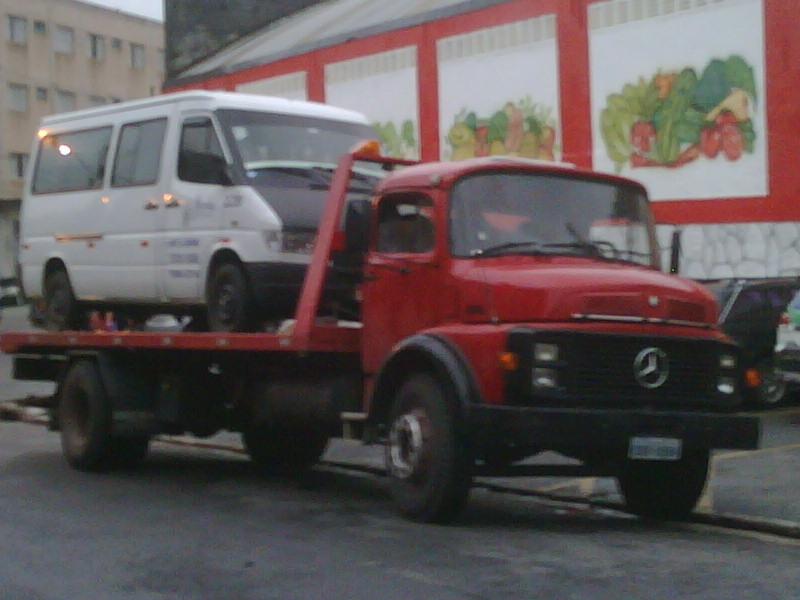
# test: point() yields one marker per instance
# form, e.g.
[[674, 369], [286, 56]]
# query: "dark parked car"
[[10, 292], [749, 312]]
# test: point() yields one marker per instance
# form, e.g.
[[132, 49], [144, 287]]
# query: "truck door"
[[401, 276], [191, 213]]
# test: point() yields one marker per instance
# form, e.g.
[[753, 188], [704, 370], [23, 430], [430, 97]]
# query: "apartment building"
[[57, 56]]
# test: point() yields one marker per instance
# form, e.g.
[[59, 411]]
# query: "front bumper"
[[563, 429]]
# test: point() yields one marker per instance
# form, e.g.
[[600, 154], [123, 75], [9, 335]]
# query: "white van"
[[195, 203]]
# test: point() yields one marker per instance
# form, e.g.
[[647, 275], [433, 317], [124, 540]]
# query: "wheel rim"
[[227, 304], [772, 388], [407, 447]]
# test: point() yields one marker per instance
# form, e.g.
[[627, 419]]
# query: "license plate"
[[654, 448]]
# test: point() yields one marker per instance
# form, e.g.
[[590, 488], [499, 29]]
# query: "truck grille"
[[598, 370]]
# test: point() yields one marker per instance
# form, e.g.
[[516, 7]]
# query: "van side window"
[[200, 147], [71, 161], [138, 153]]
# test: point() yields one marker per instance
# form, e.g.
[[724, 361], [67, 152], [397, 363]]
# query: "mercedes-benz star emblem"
[[651, 368]]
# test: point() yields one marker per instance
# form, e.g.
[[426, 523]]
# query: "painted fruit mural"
[[677, 117], [524, 128], [397, 142]]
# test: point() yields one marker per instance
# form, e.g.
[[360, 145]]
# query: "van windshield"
[[290, 160], [285, 142]]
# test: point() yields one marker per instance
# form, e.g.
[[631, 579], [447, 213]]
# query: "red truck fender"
[[429, 354]]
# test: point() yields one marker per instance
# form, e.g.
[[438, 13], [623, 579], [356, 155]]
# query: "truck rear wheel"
[[85, 417], [284, 450], [665, 490], [427, 458]]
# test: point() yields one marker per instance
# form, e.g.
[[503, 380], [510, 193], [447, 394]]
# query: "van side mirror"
[[203, 167]]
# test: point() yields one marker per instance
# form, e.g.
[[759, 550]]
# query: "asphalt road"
[[199, 523]]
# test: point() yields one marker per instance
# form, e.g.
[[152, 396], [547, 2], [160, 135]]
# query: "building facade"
[[57, 56], [697, 99]]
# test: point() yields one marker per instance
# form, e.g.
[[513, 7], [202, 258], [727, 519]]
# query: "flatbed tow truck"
[[468, 353]]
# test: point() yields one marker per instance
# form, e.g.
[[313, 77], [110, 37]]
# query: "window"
[[116, 43], [64, 41], [41, 94], [71, 161], [18, 163], [97, 100], [404, 224], [18, 97], [40, 27], [137, 56], [17, 29], [139, 153], [65, 101], [97, 46], [199, 148]]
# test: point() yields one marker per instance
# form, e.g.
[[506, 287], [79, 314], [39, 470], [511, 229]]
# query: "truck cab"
[[529, 299]]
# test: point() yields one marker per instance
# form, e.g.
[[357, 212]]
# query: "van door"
[[132, 207], [191, 219]]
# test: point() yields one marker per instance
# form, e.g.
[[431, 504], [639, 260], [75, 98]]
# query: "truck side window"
[[139, 153], [404, 224], [71, 161], [200, 150]]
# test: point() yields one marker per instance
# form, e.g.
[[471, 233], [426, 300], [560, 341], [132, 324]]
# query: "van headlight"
[[290, 242]]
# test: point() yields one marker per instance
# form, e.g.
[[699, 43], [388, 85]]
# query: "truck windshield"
[[495, 212]]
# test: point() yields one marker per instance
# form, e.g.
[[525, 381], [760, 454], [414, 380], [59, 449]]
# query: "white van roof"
[[212, 100]]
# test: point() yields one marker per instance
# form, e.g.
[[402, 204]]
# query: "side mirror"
[[675, 252], [357, 225]]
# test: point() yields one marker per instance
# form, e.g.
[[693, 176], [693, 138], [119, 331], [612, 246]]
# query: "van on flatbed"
[[507, 309], [206, 203]]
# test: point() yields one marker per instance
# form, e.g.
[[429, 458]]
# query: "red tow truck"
[[499, 308]]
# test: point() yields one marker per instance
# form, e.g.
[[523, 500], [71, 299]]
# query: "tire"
[[61, 310], [229, 305], [85, 418], [427, 455], [284, 451], [771, 389], [665, 490]]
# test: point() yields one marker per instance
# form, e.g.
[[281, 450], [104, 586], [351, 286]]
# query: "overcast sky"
[[152, 9]]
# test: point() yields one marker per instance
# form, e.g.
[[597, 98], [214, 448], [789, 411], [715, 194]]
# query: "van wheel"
[[427, 456], [61, 310], [228, 303]]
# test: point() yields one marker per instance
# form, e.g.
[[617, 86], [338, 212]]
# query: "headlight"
[[544, 378], [727, 361], [726, 385], [545, 352]]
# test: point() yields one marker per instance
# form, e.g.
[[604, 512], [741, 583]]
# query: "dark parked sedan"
[[749, 312]]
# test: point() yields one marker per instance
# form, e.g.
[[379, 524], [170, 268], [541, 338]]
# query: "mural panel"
[[291, 86], [498, 91], [383, 86], [685, 112]]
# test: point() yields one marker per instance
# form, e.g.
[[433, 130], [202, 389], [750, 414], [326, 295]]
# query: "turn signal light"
[[367, 148]]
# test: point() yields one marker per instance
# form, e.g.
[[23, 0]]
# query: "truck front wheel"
[[427, 457], [664, 490]]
